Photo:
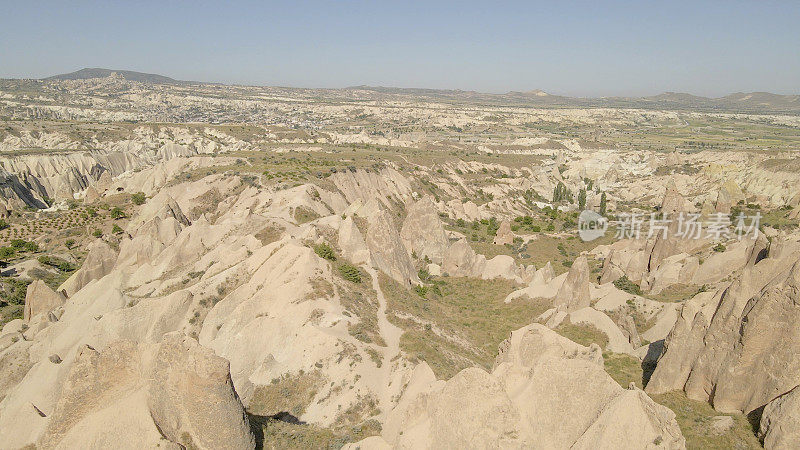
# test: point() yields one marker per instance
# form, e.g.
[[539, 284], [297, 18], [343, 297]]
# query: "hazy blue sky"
[[566, 47]]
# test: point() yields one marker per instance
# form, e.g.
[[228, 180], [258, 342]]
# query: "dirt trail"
[[391, 334]]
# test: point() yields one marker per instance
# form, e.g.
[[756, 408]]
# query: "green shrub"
[[97, 233], [69, 243], [7, 252], [325, 251], [350, 273], [116, 229], [18, 243], [624, 284], [138, 198], [424, 275], [422, 291], [117, 213], [13, 290], [58, 263], [3, 224], [719, 248]]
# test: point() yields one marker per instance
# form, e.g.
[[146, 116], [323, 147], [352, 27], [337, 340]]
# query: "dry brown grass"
[[461, 327], [290, 393]]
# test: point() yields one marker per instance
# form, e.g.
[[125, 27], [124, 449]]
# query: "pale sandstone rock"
[[40, 299], [96, 381], [91, 195], [780, 422], [104, 182], [422, 231], [544, 392], [461, 261], [574, 293], [618, 342], [191, 397], [352, 242], [502, 266], [724, 201], [14, 361], [743, 355], [721, 424], [136, 395], [100, 260], [504, 234], [387, 251]]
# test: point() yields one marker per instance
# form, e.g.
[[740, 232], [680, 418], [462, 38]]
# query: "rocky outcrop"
[[59, 176], [544, 392], [461, 261], [741, 354], [100, 259], [191, 397], [365, 185], [162, 206], [91, 195], [663, 247], [574, 293], [387, 250], [40, 299], [125, 395], [504, 234], [423, 232], [729, 195], [102, 402], [173, 150], [780, 422], [352, 242], [104, 182]]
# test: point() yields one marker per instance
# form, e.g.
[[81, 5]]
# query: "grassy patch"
[[624, 284], [350, 273], [360, 300], [303, 215], [582, 333], [694, 418], [12, 291], [289, 393], [9, 313], [462, 325], [272, 433], [269, 234], [677, 293], [624, 369]]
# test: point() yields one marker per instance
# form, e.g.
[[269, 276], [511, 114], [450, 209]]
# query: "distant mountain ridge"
[[753, 102], [88, 73]]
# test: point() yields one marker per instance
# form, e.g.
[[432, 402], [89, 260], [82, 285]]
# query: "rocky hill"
[[85, 74], [214, 266]]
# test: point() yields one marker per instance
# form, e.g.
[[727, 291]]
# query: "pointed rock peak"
[[574, 293], [547, 271], [673, 201], [423, 232], [504, 234], [40, 299]]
